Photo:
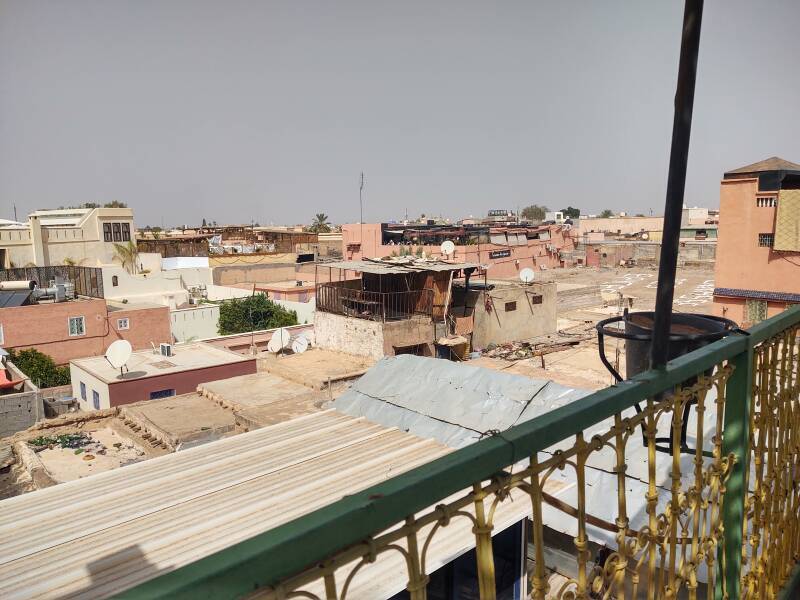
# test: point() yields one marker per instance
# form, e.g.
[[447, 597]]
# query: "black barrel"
[[688, 332]]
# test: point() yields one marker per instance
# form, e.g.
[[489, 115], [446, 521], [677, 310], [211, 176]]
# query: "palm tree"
[[128, 255], [320, 224]]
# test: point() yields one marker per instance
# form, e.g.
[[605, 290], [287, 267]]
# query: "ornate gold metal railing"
[[719, 522], [772, 530]]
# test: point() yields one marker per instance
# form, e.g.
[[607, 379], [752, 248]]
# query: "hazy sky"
[[235, 111]]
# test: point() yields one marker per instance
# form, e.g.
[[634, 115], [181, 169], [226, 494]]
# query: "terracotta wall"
[[741, 262], [46, 328], [534, 255], [736, 309], [185, 382]]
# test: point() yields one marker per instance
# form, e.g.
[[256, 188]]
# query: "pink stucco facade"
[[742, 264], [504, 261], [46, 328]]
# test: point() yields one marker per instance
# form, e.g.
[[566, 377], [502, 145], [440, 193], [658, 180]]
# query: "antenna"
[[361, 212], [118, 354], [527, 275]]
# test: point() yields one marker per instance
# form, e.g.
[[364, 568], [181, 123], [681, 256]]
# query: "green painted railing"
[[283, 552]]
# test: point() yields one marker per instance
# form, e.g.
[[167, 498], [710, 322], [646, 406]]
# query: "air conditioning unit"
[[166, 349]]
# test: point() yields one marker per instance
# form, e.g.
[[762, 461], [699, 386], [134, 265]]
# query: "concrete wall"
[[574, 296], [610, 254], [20, 411], [620, 225], [18, 248], [93, 384], [736, 309], [46, 328], [194, 323], [408, 332], [506, 323], [255, 273], [305, 310], [353, 336], [160, 287]]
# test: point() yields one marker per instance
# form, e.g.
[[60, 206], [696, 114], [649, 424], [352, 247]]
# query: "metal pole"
[[361, 212], [676, 181]]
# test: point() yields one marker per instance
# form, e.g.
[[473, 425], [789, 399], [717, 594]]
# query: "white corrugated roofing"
[[93, 537]]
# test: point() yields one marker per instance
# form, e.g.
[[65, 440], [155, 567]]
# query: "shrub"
[[40, 368], [253, 313]]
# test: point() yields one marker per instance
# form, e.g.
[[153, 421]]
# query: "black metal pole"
[[676, 181]]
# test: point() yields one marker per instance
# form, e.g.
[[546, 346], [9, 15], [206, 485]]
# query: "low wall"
[[579, 297], [353, 336], [20, 411]]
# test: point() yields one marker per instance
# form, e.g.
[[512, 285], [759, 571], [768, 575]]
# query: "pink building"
[[757, 273], [506, 250], [150, 376], [82, 327]]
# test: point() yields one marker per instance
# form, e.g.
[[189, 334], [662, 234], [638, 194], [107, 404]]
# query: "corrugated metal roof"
[[97, 536], [394, 268], [453, 403]]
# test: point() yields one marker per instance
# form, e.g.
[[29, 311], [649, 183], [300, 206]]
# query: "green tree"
[[204, 222], [534, 212], [40, 368], [320, 224], [606, 213], [115, 204], [127, 254], [571, 213], [88, 205], [252, 314]]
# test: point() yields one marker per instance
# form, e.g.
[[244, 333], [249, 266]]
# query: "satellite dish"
[[299, 344], [309, 335], [447, 247], [118, 353], [280, 340], [645, 236], [526, 275]]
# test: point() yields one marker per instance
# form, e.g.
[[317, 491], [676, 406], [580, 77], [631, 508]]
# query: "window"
[[114, 280], [126, 232], [107, 232], [161, 394], [755, 311], [83, 391], [77, 326], [95, 400], [765, 240], [766, 201], [123, 323], [511, 306], [117, 232]]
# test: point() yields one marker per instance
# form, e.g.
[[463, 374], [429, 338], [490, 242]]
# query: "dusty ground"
[[694, 286], [106, 450]]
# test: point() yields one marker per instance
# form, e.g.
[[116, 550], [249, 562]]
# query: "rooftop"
[[774, 163], [398, 266], [106, 533], [147, 364]]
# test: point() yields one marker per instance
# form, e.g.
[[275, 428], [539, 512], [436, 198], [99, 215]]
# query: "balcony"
[[719, 522], [347, 298]]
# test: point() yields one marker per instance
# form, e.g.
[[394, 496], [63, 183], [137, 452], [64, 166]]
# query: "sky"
[[268, 111]]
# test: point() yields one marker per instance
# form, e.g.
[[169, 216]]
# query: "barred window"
[[766, 240], [107, 232]]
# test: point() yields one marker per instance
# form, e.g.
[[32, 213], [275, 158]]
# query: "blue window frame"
[[96, 400], [83, 391], [161, 394]]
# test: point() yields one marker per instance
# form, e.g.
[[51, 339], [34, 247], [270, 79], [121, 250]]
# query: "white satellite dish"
[[299, 344], [119, 353], [280, 340], [526, 275], [309, 335], [447, 247]]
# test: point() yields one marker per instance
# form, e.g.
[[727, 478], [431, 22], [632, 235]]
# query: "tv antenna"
[[361, 211]]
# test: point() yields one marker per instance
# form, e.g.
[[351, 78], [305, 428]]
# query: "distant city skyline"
[[269, 112]]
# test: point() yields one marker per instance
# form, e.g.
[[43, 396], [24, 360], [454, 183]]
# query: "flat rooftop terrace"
[[145, 363]]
